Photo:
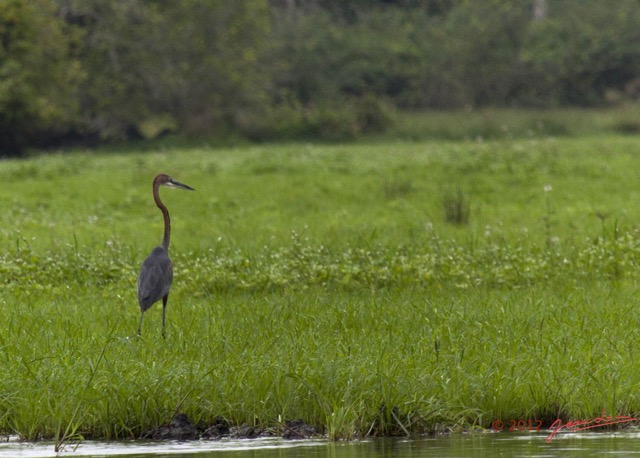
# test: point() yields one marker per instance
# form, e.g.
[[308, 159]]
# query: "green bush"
[[38, 75], [331, 121]]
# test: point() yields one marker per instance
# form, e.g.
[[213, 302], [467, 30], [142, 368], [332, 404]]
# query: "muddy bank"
[[182, 428]]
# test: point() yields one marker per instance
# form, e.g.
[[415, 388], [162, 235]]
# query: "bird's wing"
[[154, 281]]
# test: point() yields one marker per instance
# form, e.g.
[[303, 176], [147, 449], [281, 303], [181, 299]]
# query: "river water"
[[616, 444]]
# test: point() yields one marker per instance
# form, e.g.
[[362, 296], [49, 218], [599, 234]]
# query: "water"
[[457, 445]]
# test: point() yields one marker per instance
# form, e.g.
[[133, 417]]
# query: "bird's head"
[[166, 180]]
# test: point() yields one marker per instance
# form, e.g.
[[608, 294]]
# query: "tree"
[[583, 49], [154, 65], [38, 74]]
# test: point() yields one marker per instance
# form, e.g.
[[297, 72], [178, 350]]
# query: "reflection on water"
[[456, 445]]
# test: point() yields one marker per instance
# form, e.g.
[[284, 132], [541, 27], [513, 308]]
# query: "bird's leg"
[[140, 324], [164, 311]]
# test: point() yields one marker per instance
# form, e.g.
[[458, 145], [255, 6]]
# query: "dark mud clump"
[[219, 429], [298, 429], [181, 428], [250, 432]]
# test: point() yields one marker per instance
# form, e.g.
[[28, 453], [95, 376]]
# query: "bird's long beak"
[[176, 184]]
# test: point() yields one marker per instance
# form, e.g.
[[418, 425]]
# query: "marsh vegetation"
[[323, 283]]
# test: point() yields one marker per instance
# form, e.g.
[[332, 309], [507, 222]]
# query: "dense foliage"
[[99, 70]]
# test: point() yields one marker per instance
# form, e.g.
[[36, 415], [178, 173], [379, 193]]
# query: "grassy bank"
[[367, 289], [503, 123]]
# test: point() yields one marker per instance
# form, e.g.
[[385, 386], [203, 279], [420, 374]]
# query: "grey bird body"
[[156, 272], [156, 275]]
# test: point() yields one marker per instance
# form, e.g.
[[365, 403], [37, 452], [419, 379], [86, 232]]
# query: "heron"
[[156, 272]]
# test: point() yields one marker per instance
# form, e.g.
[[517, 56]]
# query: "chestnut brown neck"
[[165, 214]]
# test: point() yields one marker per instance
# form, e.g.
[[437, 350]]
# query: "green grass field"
[[374, 288]]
